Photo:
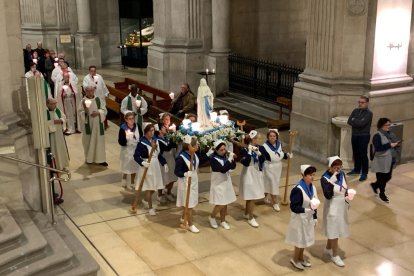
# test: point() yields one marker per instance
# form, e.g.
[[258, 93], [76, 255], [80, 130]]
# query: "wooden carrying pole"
[[292, 134], [133, 209], [184, 225]]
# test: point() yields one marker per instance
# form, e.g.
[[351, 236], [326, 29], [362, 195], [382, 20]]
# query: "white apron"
[[301, 229], [128, 164], [182, 186], [153, 179], [168, 177], [335, 214], [272, 170], [221, 189], [251, 182]]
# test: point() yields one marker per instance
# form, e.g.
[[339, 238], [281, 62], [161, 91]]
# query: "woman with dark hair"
[[273, 167], [128, 138], [251, 178], [183, 172], [153, 179], [221, 189], [384, 143], [303, 204], [335, 209]]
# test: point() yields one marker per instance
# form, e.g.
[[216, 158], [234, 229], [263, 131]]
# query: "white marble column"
[[84, 16], [218, 57]]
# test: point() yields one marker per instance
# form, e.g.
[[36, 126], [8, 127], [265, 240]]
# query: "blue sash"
[[308, 189]]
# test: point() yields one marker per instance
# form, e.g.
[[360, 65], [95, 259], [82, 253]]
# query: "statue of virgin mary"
[[204, 103]]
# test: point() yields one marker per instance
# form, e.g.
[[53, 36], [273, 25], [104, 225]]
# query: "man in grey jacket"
[[360, 120]]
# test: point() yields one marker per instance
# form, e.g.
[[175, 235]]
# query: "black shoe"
[[384, 198], [374, 188], [353, 172], [363, 177], [104, 164]]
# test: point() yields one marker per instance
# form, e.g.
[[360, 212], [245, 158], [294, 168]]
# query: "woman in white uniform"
[[182, 171], [335, 208], [128, 138], [272, 169], [221, 189], [168, 152], [251, 178], [303, 204], [153, 179]]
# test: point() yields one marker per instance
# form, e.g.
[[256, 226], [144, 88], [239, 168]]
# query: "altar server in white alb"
[[128, 138], [153, 179], [135, 103], [56, 123], [92, 79], [221, 189], [93, 111], [335, 207], [68, 99], [251, 178], [303, 204], [273, 167], [183, 172], [167, 148]]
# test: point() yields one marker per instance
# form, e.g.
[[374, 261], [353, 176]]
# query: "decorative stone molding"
[[357, 7]]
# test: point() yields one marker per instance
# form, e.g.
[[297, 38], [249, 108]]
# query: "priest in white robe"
[[68, 98], [92, 79], [56, 123], [60, 68], [93, 111], [204, 103], [135, 103]]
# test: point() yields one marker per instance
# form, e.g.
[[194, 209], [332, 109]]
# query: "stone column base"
[[219, 83], [88, 51]]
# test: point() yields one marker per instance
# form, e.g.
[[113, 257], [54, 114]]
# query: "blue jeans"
[[360, 152]]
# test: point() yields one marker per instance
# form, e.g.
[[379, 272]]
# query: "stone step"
[[10, 232], [28, 248]]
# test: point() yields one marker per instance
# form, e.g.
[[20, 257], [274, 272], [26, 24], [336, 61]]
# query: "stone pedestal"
[[345, 147], [88, 50]]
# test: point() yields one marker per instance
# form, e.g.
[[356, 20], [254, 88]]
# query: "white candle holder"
[[172, 95], [195, 126], [186, 123], [138, 103], [34, 60], [223, 119], [173, 127], [88, 103], [213, 116], [56, 59]]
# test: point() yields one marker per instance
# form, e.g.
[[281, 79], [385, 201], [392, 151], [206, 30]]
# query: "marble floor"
[[96, 209]]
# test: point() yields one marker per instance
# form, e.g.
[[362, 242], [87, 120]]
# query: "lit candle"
[[223, 119], [173, 127], [65, 87], [213, 116], [129, 134], [186, 123], [315, 203], [88, 103], [214, 71], [35, 60], [138, 103], [56, 59], [95, 78], [172, 95], [195, 126], [207, 71]]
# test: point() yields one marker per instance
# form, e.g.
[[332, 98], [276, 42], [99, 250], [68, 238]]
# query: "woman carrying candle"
[[128, 138], [221, 189], [335, 208], [153, 179], [251, 178], [303, 204]]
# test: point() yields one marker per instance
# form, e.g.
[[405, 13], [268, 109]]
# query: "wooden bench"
[[282, 102]]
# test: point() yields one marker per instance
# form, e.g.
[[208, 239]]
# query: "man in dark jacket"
[[27, 57], [184, 103], [360, 121]]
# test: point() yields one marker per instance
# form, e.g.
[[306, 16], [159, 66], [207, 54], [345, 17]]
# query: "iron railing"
[[262, 79]]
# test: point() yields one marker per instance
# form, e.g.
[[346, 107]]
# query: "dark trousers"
[[360, 152], [382, 179]]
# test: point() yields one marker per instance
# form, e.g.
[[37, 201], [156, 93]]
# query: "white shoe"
[[152, 212], [253, 222], [193, 229], [328, 252], [338, 261], [298, 265], [146, 206], [276, 207], [225, 225], [170, 197], [306, 263], [213, 222], [162, 199]]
